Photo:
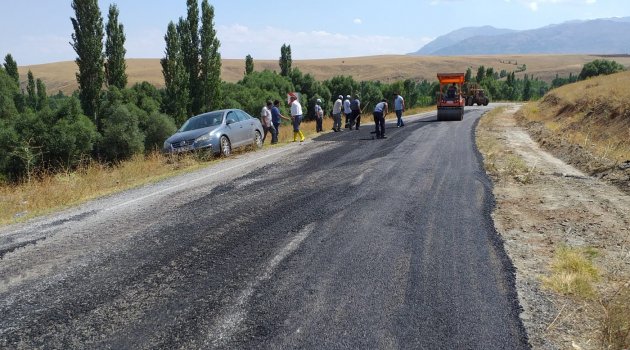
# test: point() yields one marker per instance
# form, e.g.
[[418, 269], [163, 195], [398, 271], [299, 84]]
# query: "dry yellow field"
[[61, 75]]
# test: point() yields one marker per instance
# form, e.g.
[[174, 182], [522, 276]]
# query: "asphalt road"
[[343, 242]]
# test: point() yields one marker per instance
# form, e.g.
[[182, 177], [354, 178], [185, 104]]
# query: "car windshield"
[[202, 121]]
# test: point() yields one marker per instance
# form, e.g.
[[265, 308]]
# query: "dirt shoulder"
[[544, 205]]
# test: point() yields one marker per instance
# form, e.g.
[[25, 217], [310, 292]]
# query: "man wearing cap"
[[336, 112], [347, 111], [296, 117], [319, 115], [265, 118]]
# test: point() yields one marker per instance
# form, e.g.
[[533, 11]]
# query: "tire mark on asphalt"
[[230, 320]]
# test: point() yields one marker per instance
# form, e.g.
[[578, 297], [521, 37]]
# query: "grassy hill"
[[588, 125], [60, 76]]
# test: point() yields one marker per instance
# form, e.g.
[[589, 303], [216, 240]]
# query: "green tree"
[[31, 91], [527, 88], [188, 30], [121, 135], [468, 75], [600, 67], [210, 68], [177, 98], [8, 91], [481, 73], [12, 68], [88, 44], [249, 64], [42, 96], [285, 60], [115, 66]]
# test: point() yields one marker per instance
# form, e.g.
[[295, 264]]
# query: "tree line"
[[108, 121]]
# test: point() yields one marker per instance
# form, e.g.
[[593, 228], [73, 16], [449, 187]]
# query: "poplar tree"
[[210, 67], [31, 91], [12, 68], [175, 77], [42, 96], [189, 38], [249, 65], [285, 60], [88, 44], [115, 65]]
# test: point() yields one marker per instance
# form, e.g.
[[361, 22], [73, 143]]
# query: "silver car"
[[217, 131]]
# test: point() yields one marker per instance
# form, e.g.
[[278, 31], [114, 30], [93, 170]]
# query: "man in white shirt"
[[319, 115], [399, 107], [265, 119], [347, 110], [296, 117], [336, 112]]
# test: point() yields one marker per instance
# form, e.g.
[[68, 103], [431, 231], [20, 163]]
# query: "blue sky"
[[39, 31]]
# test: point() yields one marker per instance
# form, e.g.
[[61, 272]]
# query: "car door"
[[249, 124], [234, 129]]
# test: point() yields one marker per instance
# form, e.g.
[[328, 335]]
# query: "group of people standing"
[[350, 107]]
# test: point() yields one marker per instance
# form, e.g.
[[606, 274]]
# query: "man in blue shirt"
[[275, 119]]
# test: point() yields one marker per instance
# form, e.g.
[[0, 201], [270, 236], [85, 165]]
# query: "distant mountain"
[[458, 35], [600, 36]]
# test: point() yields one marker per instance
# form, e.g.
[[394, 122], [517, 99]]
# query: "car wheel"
[[226, 146], [257, 139]]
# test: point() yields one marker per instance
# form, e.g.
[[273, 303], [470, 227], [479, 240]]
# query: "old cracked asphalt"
[[343, 242]]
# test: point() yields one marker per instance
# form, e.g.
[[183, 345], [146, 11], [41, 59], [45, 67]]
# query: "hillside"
[[60, 76], [600, 36], [588, 125]]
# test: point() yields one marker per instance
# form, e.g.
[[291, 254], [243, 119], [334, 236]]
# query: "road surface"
[[343, 242]]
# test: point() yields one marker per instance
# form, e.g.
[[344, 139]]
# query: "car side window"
[[242, 116], [231, 118]]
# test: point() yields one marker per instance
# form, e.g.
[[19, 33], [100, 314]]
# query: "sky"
[[39, 31]]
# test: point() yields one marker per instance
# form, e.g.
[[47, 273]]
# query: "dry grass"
[[573, 272], [594, 114], [617, 320], [61, 75]]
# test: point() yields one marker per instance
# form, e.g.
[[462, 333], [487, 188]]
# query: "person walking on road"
[[296, 117], [265, 118], [275, 119], [380, 111], [319, 116], [355, 106], [347, 111], [399, 107], [336, 112]]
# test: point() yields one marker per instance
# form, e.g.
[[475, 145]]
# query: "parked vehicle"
[[217, 132], [473, 93]]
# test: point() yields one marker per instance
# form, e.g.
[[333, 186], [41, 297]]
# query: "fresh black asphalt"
[[344, 242]]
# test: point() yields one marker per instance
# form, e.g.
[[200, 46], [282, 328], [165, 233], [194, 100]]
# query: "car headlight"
[[203, 138]]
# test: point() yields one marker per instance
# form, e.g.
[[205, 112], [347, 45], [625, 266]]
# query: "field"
[[60, 76]]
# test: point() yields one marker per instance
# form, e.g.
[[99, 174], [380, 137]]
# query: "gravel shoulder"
[[546, 205]]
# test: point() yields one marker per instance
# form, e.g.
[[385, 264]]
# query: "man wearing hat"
[[336, 112], [319, 115]]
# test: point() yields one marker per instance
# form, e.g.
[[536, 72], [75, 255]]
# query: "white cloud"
[[357, 21], [237, 41], [533, 6]]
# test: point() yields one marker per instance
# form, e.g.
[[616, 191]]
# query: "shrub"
[[159, 128], [121, 135]]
